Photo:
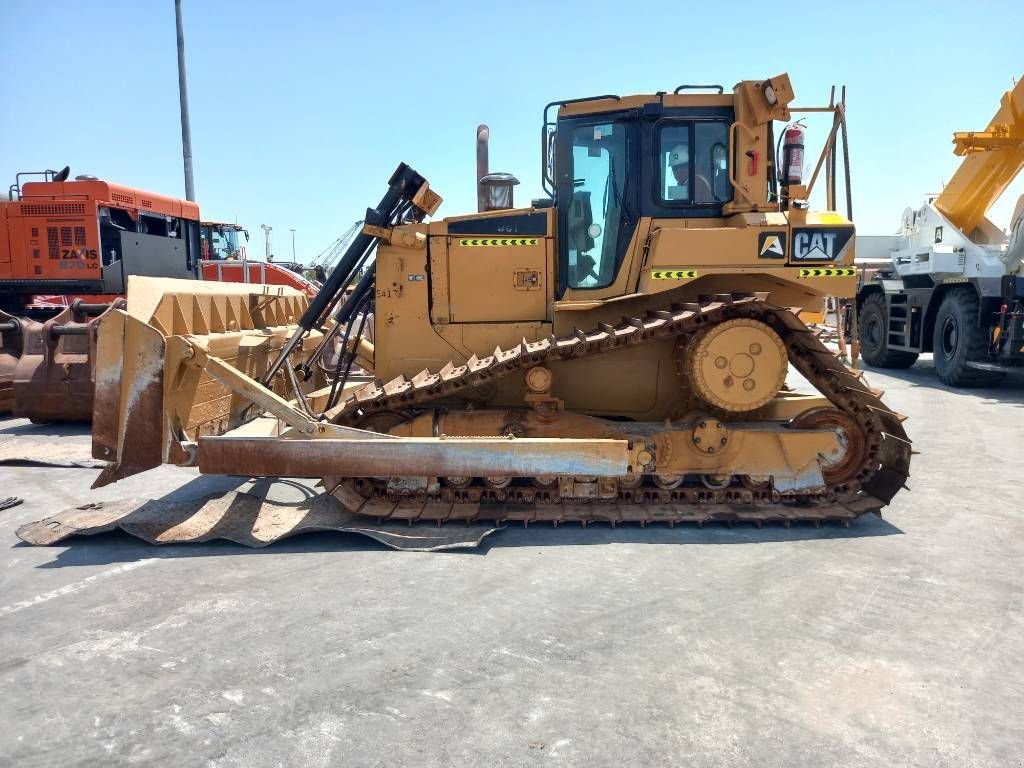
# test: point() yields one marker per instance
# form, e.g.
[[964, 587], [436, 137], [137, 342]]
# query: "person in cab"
[[679, 162]]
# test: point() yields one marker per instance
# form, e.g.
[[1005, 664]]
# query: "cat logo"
[[771, 245], [821, 243]]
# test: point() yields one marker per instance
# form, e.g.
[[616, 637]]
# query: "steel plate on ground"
[[244, 519]]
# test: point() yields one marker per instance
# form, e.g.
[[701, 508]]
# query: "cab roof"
[[610, 103]]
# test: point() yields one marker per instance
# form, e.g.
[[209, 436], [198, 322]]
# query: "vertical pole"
[[245, 260], [293, 246], [483, 134], [186, 130], [266, 241]]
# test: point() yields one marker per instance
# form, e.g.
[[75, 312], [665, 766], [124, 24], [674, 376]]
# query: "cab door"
[[596, 190]]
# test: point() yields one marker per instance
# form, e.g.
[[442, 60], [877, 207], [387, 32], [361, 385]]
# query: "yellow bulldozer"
[[617, 351]]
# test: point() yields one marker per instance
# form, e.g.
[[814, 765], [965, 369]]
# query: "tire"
[[873, 331], [958, 339]]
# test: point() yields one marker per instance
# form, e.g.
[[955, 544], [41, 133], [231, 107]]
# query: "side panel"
[[498, 279], [5, 242], [51, 241], [440, 309], [406, 340], [150, 256]]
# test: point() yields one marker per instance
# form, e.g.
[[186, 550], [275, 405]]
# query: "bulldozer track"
[[883, 472]]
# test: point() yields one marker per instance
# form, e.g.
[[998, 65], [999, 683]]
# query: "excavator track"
[[884, 467]]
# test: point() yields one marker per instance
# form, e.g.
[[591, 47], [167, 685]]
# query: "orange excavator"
[[67, 248]]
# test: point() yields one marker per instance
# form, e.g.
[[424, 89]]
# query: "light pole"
[[267, 229], [186, 130], [293, 246]]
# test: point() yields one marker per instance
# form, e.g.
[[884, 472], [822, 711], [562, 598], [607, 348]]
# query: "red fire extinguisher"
[[793, 154]]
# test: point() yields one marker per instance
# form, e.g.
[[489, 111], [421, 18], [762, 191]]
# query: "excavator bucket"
[[159, 363], [11, 343], [52, 378]]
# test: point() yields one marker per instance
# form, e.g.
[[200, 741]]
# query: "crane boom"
[[330, 254], [992, 160]]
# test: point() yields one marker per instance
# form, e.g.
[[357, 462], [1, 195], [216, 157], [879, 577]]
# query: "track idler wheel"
[[738, 365], [669, 482], [716, 482], [844, 466]]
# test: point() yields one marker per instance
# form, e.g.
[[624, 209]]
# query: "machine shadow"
[[119, 546], [922, 374], [11, 427], [570, 534]]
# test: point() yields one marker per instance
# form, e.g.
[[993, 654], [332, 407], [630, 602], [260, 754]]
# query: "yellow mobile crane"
[[955, 285]]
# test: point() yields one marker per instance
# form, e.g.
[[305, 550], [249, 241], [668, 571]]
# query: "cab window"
[[693, 163], [595, 214], [219, 244]]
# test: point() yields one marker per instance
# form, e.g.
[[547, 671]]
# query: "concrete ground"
[[894, 642]]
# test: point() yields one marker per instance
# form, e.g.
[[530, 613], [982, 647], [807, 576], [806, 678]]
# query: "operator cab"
[[220, 241], [612, 160]]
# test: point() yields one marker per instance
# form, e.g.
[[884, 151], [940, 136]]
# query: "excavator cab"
[[221, 241]]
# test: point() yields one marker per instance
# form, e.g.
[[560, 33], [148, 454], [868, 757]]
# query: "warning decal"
[[497, 241], [829, 272], [673, 274]]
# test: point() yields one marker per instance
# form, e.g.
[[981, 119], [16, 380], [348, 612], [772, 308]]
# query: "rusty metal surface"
[[149, 395], [11, 344], [272, 456], [609, 513], [8, 363], [244, 519], [53, 378], [128, 416]]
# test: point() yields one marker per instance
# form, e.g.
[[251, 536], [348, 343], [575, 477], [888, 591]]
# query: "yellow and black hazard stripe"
[[829, 272], [674, 274], [491, 242]]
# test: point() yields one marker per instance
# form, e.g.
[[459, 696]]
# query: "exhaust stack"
[[493, 190], [483, 134]]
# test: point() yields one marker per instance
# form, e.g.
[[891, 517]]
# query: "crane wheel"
[[959, 339], [873, 325], [738, 365]]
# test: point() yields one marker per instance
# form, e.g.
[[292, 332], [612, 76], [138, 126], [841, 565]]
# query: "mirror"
[[549, 155]]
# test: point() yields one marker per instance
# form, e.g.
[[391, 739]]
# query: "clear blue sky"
[[301, 110]]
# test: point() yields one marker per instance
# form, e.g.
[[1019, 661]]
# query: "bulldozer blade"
[[128, 402], [168, 366], [245, 519]]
